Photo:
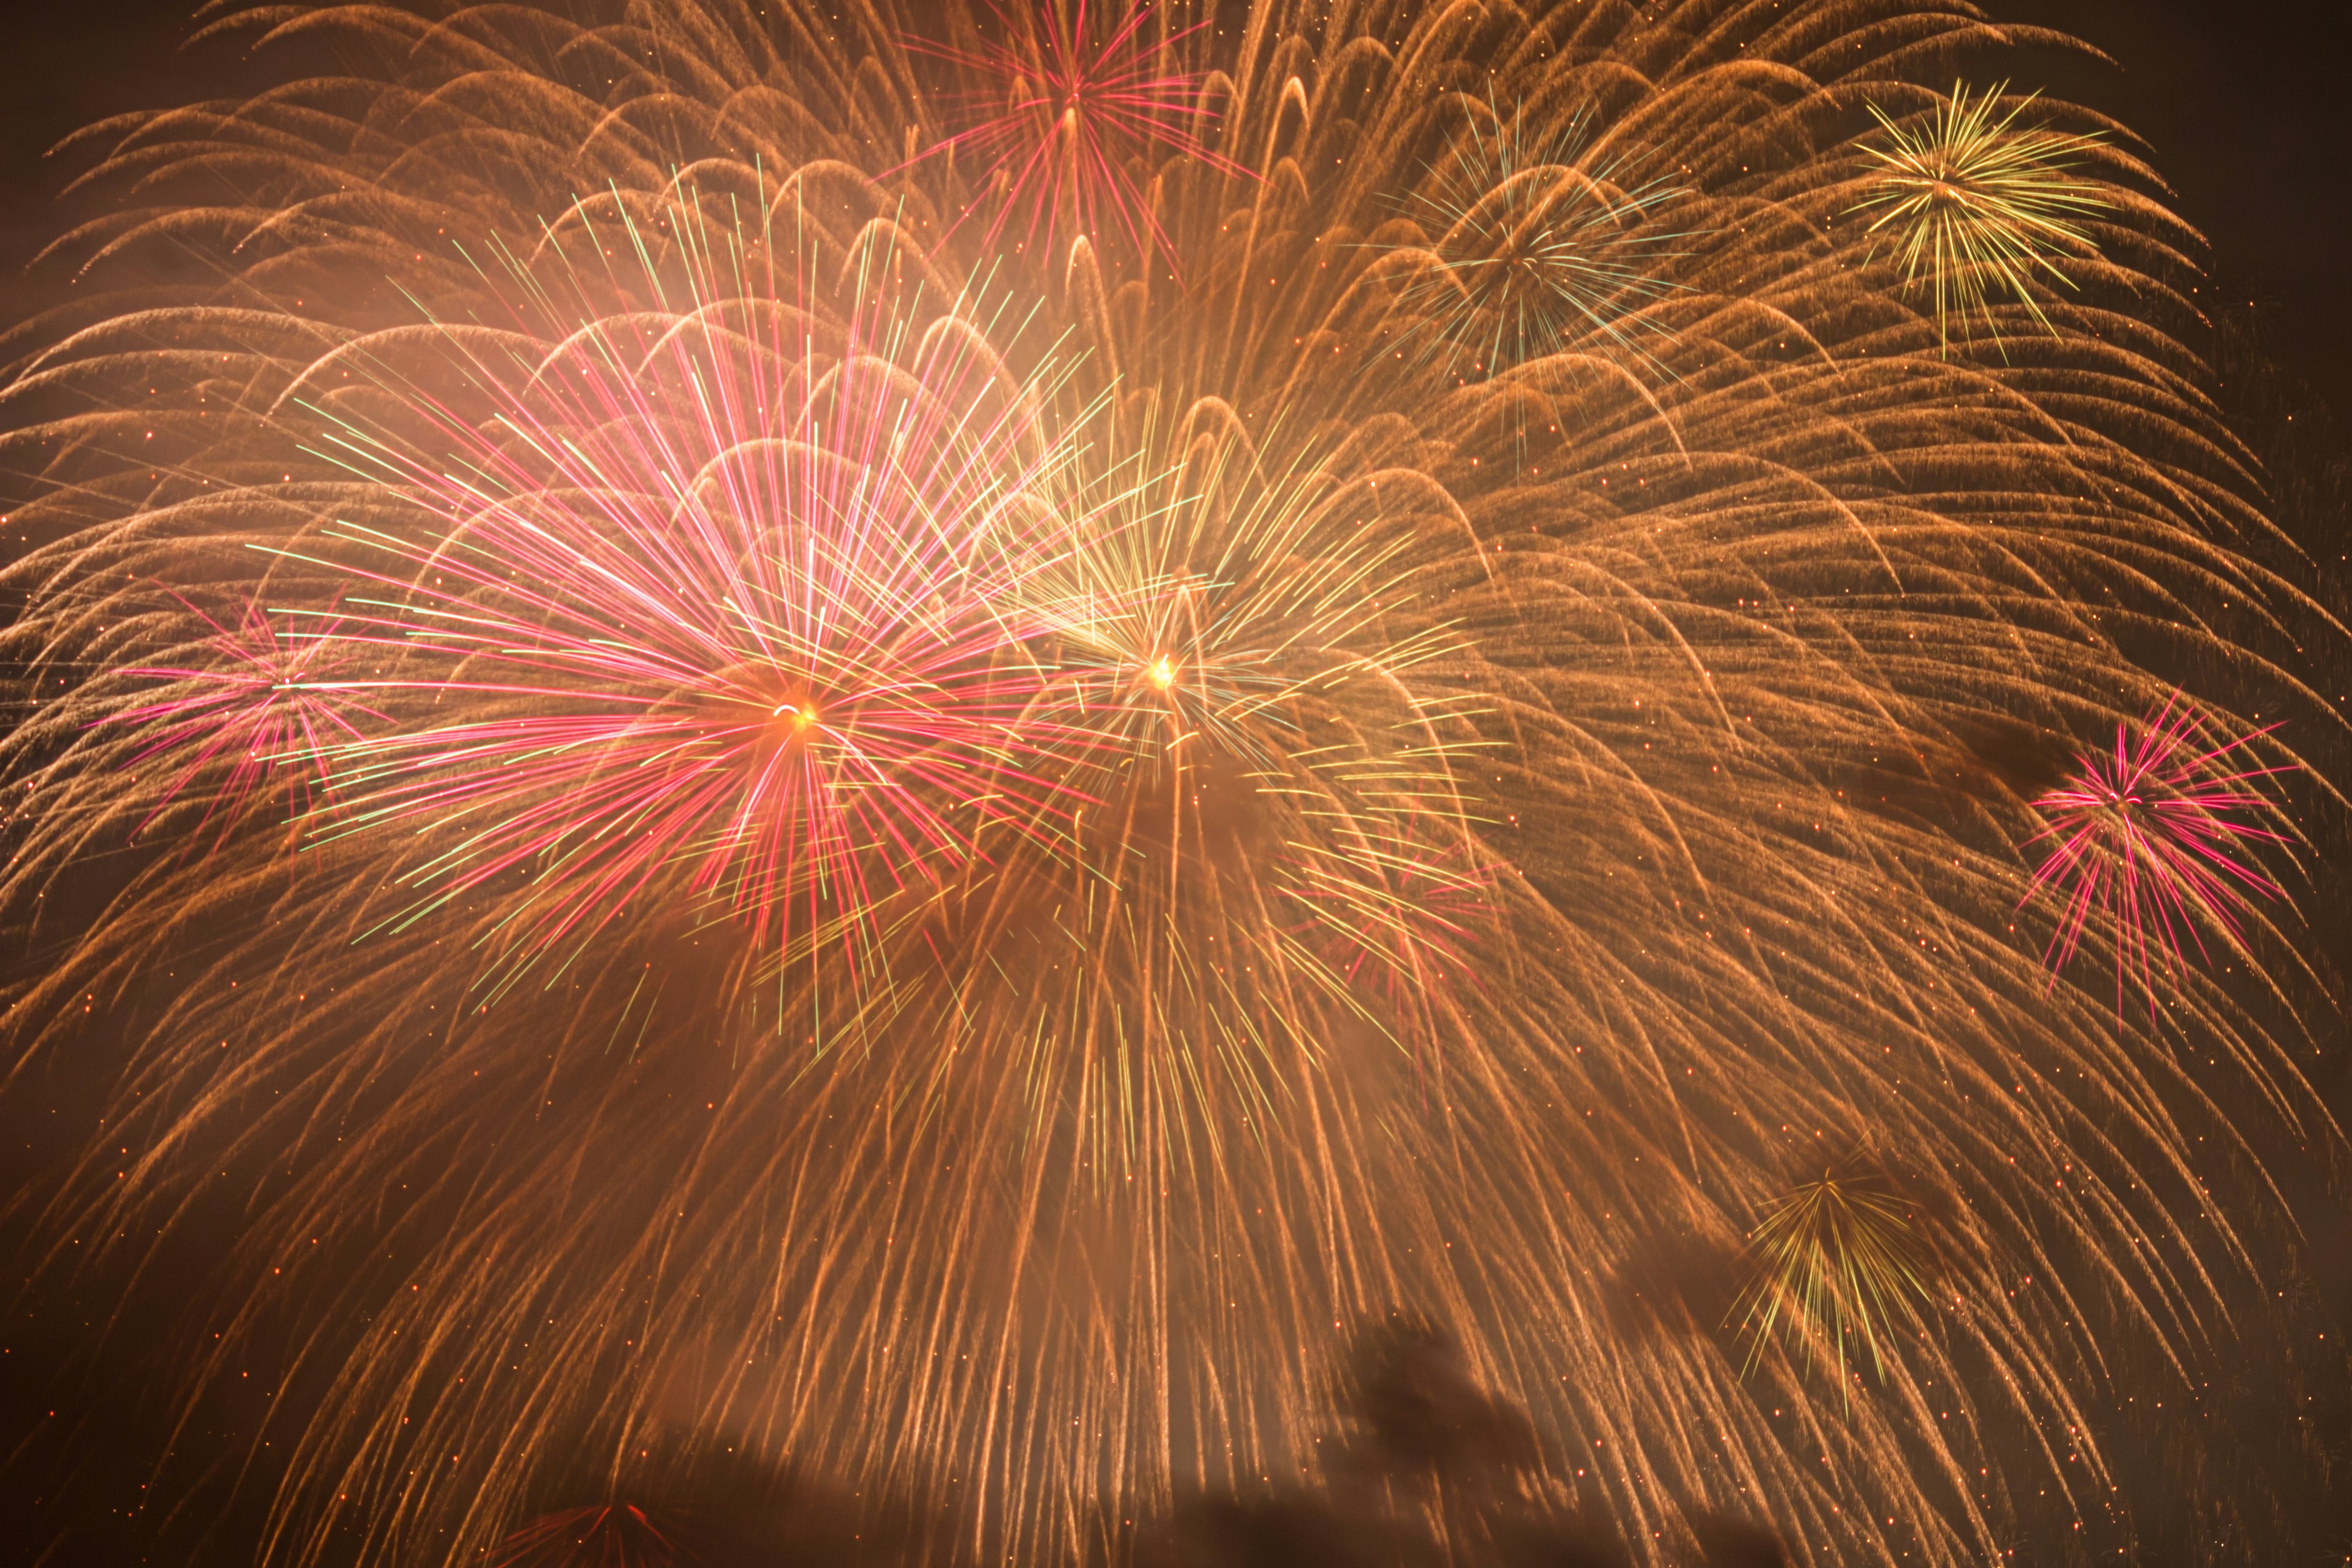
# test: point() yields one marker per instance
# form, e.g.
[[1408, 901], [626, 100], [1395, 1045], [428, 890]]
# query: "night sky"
[[2242, 102]]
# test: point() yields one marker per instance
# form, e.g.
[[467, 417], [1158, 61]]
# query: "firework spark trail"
[[1977, 205], [2147, 836], [263, 701], [1076, 92], [1511, 820], [752, 614]]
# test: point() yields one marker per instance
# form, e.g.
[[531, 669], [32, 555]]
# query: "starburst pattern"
[[1978, 206], [259, 706], [2147, 845], [706, 603], [1259, 649], [1076, 104], [1536, 243], [1836, 1263]]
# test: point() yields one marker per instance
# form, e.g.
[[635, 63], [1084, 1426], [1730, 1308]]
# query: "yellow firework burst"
[[1978, 206], [1836, 1260]]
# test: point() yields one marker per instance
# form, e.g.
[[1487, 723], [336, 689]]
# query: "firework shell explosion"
[[2153, 830], [911, 738]]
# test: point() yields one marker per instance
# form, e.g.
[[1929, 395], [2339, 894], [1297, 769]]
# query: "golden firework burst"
[[1978, 206], [1836, 1260]]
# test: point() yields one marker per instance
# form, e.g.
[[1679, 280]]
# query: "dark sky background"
[[2243, 104]]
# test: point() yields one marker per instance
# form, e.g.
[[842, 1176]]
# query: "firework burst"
[[262, 710], [1083, 98], [1260, 646], [1977, 205], [2146, 845], [1538, 243], [709, 603], [614, 1535], [1317, 832], [1834, 1262]]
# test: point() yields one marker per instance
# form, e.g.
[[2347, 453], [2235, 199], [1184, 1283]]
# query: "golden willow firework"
[[1318, 831]]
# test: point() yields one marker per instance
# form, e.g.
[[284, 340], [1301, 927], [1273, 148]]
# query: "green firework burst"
[[1537, 241]]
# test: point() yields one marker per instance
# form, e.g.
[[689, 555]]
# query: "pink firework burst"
[[1078, 94], [740, 618], [2149, 836], [263, 704]]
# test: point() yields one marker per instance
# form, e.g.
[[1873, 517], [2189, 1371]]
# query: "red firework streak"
[[1073, 97], [614, 1536], [261, 704], [2148, 835]]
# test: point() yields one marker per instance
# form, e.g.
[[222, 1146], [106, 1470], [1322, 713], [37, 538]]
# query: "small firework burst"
[[257, 701], [609, 1535], [2146, 838], [1079, 96], [1837, 1258], [1976, 204], [1536, 240]]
